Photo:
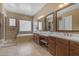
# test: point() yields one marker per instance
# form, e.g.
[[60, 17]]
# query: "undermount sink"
[[57, 34]]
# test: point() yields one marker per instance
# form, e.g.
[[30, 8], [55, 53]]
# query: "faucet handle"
[[70, 34], [65, 34]]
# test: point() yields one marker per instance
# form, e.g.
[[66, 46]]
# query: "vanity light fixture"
[[41, 16], [66, 4]]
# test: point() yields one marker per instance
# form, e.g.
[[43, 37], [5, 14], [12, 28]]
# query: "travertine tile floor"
[[24, 47]]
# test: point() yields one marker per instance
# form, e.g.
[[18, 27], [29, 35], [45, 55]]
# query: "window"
[[25, 25], [40, 25], [12, 22]]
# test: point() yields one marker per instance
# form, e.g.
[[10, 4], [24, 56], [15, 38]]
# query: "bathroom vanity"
[[59, 45]]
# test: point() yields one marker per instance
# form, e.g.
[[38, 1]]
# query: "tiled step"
[[8, 43]]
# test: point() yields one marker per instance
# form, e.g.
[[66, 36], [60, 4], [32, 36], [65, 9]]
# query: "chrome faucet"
[[67, 34]]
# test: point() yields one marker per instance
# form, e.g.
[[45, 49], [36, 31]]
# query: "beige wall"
[[0, 7], [1, 21], [1, 26], [11, 32]]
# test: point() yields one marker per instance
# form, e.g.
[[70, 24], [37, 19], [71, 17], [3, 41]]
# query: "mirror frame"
[[52, 13], [57, 20]]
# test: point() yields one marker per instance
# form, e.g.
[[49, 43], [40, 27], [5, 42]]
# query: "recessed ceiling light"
[[61, 5]]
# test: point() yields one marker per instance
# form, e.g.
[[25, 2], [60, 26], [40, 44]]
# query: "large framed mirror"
[[50, 22], [41, 24], [68, 18]]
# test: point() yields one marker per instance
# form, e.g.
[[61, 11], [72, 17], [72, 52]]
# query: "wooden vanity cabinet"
[[36, 38], [74, 48], [58, 46], [52, 45], [62, 47]]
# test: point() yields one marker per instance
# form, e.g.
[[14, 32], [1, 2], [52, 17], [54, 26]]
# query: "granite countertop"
[[59, 35], [74, 38]]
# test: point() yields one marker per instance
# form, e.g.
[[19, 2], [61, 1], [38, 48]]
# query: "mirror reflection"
[[68, 18], [49, 23]]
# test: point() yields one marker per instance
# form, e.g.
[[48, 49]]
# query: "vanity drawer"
[[52, 45], [74, 44], [62, 41], [51, 42], [53, 38], [43, 37]]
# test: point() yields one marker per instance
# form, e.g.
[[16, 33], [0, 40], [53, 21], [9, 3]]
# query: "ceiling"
[[24, 8]]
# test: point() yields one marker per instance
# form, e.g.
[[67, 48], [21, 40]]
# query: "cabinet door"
[[61, 50], [62, 47], [74, 48], [37, 39], [51, 41], [34, 37], [52, 45], [74, 51]]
